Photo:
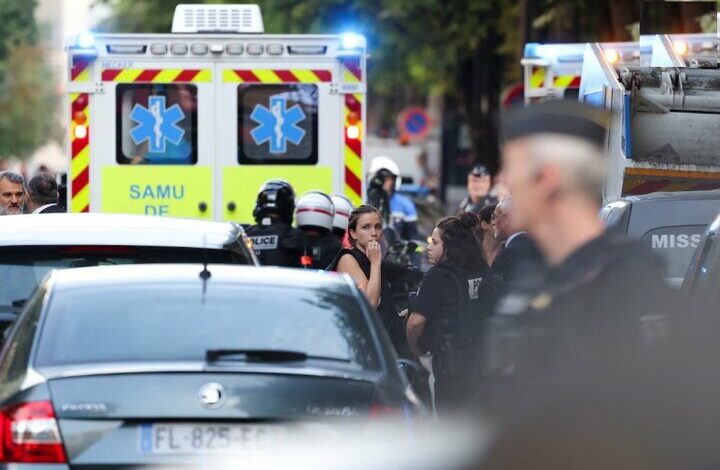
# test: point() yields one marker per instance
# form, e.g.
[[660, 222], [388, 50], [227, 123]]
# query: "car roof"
[[674, 195], [184, 274], [114, 229]]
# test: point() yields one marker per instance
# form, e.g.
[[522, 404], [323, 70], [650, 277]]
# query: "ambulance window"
[[277, 124], [156, 124]]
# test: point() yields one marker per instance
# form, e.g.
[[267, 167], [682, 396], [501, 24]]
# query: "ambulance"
[[190, 124]]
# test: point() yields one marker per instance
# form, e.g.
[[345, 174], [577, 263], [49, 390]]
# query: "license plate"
[[207, 438]]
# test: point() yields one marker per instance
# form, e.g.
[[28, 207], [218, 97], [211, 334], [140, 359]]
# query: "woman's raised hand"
[[374, 253]]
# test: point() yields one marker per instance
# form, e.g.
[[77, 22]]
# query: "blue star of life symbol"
[[156, 124], [277, 125]]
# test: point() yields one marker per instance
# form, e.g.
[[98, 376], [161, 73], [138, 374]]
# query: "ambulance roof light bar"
[[193, 19], [84, 45]]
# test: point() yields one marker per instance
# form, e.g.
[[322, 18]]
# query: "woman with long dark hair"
[[447, 314], [363, 262]]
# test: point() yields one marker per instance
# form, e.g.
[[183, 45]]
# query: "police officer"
[[447, 315], [314, 217], [398, 210], [479, 184], [602, 294], [275, 241]]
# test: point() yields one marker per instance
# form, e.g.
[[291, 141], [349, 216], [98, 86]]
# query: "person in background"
[[490, 245], [314, 216], [499, 191], [275, 241], [363, 262], [447, 314], [519, 257], [41, 195], [479, 182], [402, 217], [12, 193]]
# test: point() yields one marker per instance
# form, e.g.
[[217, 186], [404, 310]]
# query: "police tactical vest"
[[277, 244]]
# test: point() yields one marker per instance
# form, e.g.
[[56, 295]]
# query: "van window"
[[156, 124], [277, 124]]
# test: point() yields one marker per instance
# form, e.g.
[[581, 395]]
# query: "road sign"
[[414, 123]]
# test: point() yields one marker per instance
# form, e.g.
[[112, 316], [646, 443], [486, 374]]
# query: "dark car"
[[32, 245], [702, 282], [671, 223], [144, 364]]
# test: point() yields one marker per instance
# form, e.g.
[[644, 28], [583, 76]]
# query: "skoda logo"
[[212, 395]]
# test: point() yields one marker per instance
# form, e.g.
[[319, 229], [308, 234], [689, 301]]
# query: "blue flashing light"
[[85, 40], [352, 40], [531, 50]]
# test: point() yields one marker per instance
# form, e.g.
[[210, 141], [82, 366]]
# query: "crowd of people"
[[522, 279], [39, 196]]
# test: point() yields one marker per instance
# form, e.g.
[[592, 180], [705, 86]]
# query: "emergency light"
[[84, 45], [352, 40], [85, 40]]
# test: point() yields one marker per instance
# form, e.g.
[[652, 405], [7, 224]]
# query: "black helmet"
[[276, 198]]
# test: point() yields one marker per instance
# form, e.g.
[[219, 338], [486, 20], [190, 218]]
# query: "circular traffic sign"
[[414, 122]]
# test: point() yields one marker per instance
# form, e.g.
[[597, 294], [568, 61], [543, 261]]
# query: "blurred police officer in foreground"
[[275, 241], [602, 293], [314, 216], [479, 183]]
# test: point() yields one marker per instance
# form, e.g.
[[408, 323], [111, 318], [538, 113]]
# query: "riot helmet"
[[276, 198], [315, 209], [382, 167], [343, 208]]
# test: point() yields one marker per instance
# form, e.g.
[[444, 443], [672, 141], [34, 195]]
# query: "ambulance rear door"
[[286, 107], [152, 141]]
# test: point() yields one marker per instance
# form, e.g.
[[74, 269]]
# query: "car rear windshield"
[[676, 245], [175, 323], [22, 268]]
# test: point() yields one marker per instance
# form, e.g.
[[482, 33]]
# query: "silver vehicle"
[[670, 223], [32, 245], [164, 364]]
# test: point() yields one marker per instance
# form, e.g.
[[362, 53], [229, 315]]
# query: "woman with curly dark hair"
[[447, 314]]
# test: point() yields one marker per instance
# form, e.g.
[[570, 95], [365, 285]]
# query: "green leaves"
[[28, 100]]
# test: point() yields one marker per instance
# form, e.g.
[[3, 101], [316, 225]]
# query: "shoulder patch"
[[474, 288]]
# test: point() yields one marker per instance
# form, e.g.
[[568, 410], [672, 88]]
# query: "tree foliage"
[[27, 98]]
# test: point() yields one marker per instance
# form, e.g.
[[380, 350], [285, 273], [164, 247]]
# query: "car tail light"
[[30, 434], [379, 410]]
